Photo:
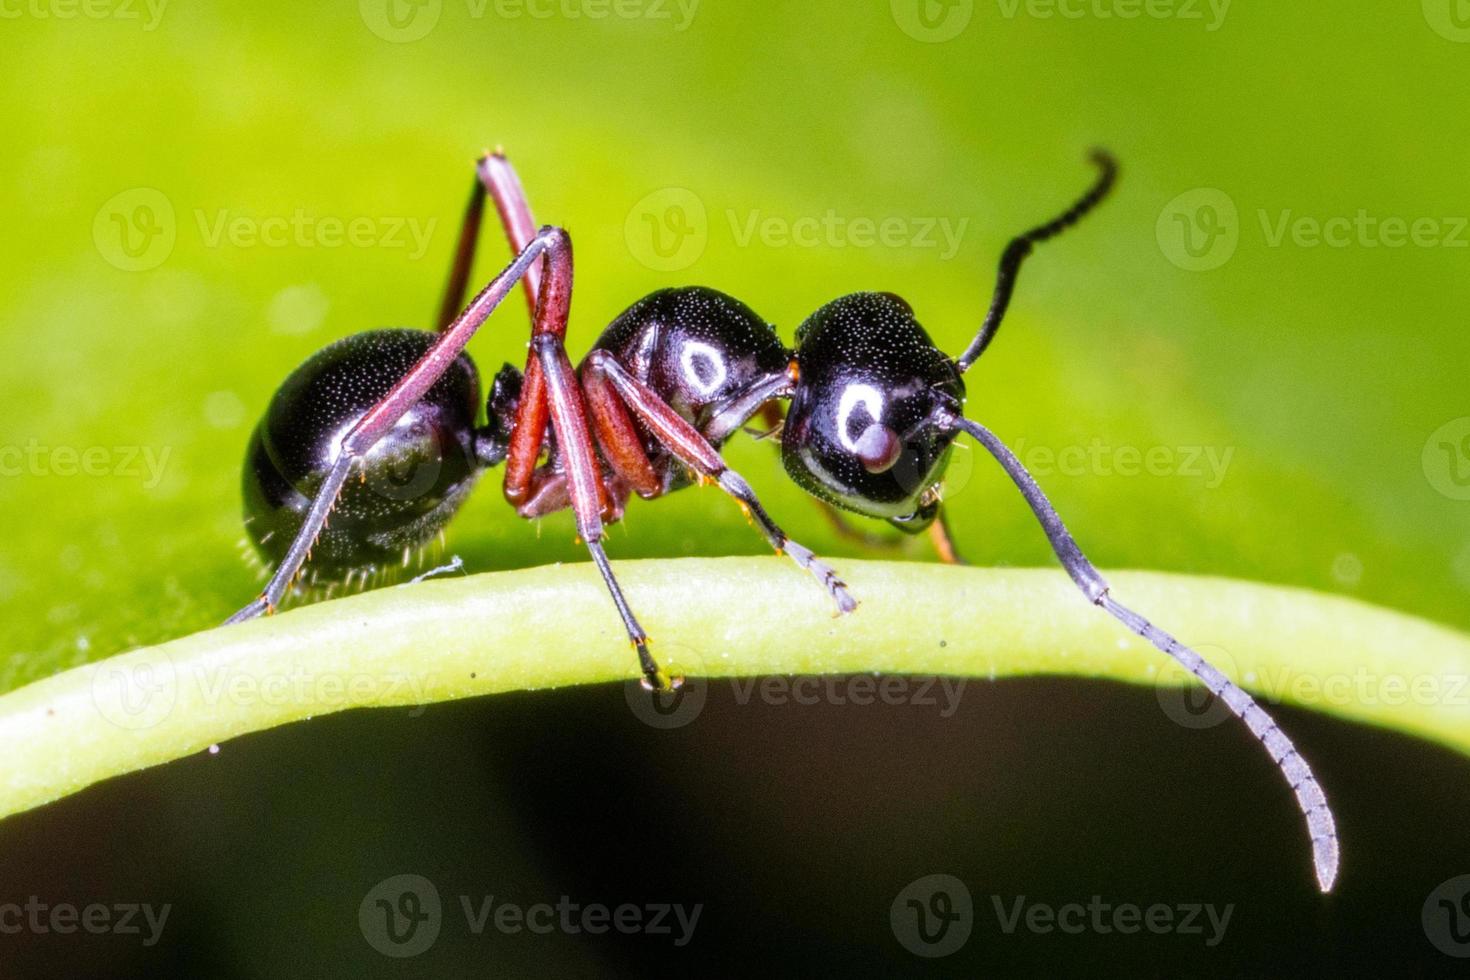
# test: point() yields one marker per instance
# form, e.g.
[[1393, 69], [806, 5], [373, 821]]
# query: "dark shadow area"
[[792, 828]]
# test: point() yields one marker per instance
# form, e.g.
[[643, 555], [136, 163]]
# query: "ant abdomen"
[[404, 490]]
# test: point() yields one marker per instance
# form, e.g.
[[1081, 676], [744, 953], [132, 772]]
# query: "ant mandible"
[[875, 408]]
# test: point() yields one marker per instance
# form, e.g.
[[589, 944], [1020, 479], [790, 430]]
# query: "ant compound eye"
[[878, 448], [861, 430]]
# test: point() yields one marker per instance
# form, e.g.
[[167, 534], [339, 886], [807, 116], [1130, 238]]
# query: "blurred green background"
[[173, 176]]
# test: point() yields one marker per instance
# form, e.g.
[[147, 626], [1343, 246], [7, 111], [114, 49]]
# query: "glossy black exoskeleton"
[[710, 357], [380, 433], [710, 353], [861, 431], [414, 478]]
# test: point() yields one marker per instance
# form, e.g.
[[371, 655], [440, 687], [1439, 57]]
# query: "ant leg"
[[493, 173], [533, 412], [686, 442], [382, 417], [552, 393], [504, 185], [1021, 246], [942, 535], [300, 550], [464, 258], [1309, 796], [616, 436]]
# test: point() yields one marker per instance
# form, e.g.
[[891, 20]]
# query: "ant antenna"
[[1022, 245], [1309, 796]]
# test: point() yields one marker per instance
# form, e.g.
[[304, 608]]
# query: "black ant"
[[875, 408]]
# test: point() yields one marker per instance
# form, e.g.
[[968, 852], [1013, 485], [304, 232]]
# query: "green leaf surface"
[[732, 617], [1287, 416]]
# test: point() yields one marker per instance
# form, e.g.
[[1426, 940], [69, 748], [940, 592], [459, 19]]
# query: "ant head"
[[863, 431]]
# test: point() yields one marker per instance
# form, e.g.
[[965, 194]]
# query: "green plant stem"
[[547, 627]]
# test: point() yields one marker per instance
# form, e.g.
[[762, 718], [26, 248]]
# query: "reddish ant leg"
[[495, 175], [686, 442], [383, 416], [560, 396]]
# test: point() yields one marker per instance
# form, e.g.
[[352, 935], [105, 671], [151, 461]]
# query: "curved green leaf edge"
[[546, 627]]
